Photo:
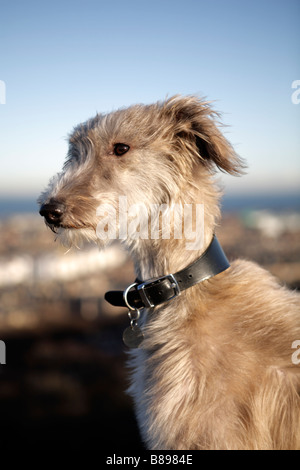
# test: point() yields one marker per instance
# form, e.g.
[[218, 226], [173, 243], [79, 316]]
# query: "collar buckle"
[[154, 282]]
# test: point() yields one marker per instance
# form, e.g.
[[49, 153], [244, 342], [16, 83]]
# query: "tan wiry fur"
[[215, 369]]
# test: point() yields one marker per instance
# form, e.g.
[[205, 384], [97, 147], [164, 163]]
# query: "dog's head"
[[150, 154]]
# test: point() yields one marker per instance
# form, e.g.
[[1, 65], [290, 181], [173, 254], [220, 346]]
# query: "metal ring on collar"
[[125, 293]]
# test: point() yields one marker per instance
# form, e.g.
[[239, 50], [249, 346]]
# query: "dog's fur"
[[215, 369]]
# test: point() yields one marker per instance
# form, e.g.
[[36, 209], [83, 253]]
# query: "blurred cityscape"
[[64, 381]]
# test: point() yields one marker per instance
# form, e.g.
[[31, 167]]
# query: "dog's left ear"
[[196, 123]]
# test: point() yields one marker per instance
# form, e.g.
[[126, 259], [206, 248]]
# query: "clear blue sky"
[[62, 61]]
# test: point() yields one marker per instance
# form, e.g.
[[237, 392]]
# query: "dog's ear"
[[196, 123]]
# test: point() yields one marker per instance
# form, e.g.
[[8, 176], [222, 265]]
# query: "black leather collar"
[[153, 292]]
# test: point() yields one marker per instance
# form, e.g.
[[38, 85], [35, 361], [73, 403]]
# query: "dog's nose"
[[52, 212]]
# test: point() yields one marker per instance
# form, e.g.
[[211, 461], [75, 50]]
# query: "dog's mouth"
[[56, 228], [52, 227]]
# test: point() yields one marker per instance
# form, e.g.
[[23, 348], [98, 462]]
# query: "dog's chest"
[[162, 384]]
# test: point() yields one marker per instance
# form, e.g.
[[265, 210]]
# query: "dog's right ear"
[[196, 123]]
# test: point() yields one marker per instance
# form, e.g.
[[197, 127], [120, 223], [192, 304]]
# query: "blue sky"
[[63, 61]]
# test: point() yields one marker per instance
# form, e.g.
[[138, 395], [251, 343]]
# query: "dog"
[[212, 362]]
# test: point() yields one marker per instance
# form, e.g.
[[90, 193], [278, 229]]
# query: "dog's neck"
[[157, 257]]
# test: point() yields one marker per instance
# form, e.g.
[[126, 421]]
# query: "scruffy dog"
[[214, 365]]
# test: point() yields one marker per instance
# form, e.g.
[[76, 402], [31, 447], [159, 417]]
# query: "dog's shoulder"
[[258, 279]]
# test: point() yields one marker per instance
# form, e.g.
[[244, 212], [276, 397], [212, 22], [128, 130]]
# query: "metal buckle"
[[154, 281], [125, 293]]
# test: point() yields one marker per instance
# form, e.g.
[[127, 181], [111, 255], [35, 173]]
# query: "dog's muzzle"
[[53, 213]]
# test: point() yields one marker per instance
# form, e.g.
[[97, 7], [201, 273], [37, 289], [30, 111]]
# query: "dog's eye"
[[120, 149]]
